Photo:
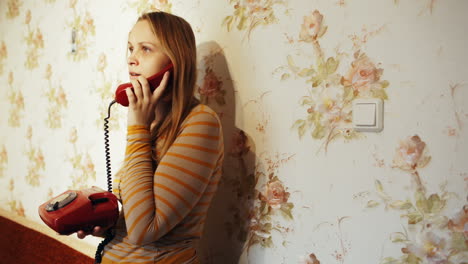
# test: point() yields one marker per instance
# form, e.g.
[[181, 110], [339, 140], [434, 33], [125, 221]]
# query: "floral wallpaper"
[[249, 14], [300, 185], [431, 234], [330, 94], [82, 26], [36, 161], [34, 44], [57, 101]]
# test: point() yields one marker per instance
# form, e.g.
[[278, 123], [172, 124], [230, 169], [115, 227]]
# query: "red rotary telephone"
[[72, 211]]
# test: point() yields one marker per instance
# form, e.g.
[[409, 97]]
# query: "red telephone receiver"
[[154, 81]]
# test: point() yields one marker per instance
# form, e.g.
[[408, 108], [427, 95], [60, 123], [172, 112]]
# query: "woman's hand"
[[97, 231], [142, 103]]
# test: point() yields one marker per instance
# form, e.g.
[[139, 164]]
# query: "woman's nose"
[[132, 60]]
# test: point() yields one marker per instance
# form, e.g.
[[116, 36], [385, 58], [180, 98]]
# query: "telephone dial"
[[75, 210]]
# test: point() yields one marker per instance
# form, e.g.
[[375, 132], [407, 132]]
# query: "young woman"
[[174, 150]]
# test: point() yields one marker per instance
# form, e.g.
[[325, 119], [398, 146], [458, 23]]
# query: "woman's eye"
[[130, 49], [146, 49]]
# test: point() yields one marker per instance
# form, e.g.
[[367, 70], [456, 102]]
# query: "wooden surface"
[[22, 244]]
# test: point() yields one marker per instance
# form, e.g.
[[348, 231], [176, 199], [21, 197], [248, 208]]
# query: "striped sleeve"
[[154, 204]]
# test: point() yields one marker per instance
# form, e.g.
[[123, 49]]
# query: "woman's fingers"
[[97, 231], [145, 87], [141, 91], [82, 234], [160, 89], [131, 96]]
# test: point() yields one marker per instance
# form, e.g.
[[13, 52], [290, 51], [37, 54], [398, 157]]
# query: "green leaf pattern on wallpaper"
[[83, 26], [430, 234], [16, 100], [142, 6], [249, 14], [3, 160], [82, 164], [57, 101], [14, 204], [105, 90], [328, 102], [36, 164], [13, 7], [3, 56], [34, 42]]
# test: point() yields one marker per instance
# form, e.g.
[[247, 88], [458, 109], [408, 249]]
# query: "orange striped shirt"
[[163, 211]]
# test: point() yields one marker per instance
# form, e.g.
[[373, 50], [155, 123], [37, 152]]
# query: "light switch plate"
[[368, 115]]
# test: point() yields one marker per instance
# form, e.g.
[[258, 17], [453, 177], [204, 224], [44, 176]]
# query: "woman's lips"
[[134, 75]]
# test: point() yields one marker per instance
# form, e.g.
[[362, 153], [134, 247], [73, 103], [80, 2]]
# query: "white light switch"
[[364, 114], [368, 115]]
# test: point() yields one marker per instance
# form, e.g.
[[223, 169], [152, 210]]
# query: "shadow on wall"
[[227, 223]]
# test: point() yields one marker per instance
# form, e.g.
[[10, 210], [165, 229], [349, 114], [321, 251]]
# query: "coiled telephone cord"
[[109, 235], [107, 149]]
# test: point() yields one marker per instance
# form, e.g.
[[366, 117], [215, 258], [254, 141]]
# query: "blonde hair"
[[178, 43]]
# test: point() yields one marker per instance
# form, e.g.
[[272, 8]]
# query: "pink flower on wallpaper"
[[211, 86], [3, 51], [89, 22], [39, 39], [332, 111], [3, 155], [275, 194], [39, 159], [19, 100], [411, 154], [13, 8], [362, 75], [431, 248], [254, 6], [310, 259], [239, 145], [87, 27], [61, 97], [460, 223], [311, 28]]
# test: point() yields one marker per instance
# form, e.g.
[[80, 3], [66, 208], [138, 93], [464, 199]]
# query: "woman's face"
[[145, 56]]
